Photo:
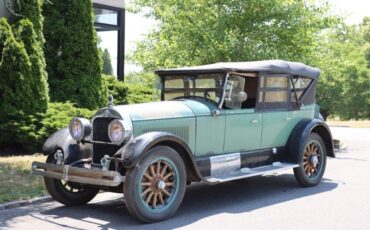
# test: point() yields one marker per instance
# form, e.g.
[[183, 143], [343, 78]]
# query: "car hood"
[[164, 110]]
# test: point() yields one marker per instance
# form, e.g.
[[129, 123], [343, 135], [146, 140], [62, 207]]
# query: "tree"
[[107, 63], [198, 32], [31, 9], [344, 86], [72, 57], [23, 77], [24, 33], [16, 83]]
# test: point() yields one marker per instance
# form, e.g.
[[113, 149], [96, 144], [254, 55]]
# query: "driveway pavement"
[[340, 201]]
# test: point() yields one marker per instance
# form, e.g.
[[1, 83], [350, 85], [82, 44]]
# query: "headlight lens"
[[119, 131], [79, 128]]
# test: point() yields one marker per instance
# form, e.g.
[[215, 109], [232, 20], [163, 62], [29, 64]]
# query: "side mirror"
[[215, 112]]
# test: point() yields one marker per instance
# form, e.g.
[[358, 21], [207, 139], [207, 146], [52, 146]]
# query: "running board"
[[250, 172]]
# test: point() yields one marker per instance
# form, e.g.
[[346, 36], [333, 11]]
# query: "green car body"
[[215, 123]]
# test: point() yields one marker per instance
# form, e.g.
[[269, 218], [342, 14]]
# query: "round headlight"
[[119, 131], [79, 128]]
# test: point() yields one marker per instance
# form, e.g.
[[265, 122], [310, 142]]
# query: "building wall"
[[3, 11], [114, 3]]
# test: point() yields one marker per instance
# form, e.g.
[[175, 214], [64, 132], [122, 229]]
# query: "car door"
[[274, 102], [243, 123], [243, 130]]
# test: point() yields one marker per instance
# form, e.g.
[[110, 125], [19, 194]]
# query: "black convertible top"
[[271, 66]]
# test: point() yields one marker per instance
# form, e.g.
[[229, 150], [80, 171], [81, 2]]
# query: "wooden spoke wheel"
[[155, 188], [313, 162], [312, 159], [158, 184]]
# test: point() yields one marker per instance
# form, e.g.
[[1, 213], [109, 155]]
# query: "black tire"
[[151, 192], [69, 194], [310, 172]]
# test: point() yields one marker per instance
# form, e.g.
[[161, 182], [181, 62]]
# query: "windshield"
[[207, 86]]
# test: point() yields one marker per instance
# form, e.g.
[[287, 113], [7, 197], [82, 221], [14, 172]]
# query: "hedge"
[[29, 134]]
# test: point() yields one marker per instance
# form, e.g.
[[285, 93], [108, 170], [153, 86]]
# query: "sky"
[[137, 25]]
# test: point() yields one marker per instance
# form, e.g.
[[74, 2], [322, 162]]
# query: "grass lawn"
[[352, 124], [16, 180]]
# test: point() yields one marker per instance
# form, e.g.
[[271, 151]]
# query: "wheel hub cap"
[[161, 185], [314, 160]]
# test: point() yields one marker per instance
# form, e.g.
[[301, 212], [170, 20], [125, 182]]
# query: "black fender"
[[72, 151], [136, 148], [299, 135]]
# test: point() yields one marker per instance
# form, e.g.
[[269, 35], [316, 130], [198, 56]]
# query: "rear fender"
[[300, 133]]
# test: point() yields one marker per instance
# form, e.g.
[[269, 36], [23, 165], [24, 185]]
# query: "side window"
[[234, 93], [274, 91], [299, 85]]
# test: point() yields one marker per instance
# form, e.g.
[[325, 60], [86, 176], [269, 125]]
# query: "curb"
[[21, 203]]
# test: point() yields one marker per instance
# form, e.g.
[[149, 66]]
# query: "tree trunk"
[[324, 113]]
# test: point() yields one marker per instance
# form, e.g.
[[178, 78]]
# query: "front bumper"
[[78, 175]]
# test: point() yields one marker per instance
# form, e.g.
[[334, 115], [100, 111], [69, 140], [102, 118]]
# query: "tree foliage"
[[16, 83], [24, 33], [30, 132], [72, 56], [195, 32], [31, 10], [344, 86], [107, 63], [26, 77]]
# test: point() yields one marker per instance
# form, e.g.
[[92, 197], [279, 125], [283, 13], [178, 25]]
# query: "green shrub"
[[127, 93], [30, 133], [5, 33], [31, 10], [24, 32], [118, 89], [72, 57], [138, 93], [16, 83]]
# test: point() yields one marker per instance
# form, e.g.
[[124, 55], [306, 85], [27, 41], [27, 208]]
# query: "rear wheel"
[[70, 194], [313, 162], [154, 189]]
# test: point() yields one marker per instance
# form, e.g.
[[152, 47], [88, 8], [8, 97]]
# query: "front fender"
[[299, 135], [133, 151], [72, 150]]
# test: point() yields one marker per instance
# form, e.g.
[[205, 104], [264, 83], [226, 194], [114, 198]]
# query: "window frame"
[[262, 88], [187, 83]]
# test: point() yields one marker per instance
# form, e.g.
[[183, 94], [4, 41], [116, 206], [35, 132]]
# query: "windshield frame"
[[196, 75]]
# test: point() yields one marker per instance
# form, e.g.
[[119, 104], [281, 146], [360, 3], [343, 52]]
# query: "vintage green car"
[[215, 123]]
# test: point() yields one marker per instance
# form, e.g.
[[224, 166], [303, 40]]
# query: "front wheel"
[[154, 189], [313, 162], [70, 194]]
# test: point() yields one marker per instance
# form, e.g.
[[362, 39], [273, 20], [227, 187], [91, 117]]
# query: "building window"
[[106, 16], [110, 26]]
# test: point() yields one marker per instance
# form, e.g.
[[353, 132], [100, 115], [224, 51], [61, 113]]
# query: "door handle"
[[254, 121], [288, 118]]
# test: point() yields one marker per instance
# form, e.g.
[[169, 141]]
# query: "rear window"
[[300, 84]]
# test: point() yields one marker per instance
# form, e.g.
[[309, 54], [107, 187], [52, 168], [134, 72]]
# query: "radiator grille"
[[100, 133], [182, 132]]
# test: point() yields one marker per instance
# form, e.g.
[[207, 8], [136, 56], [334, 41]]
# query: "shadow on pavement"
[[200, 201]]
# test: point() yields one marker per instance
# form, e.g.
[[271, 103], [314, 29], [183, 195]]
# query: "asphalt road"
[[340, 201]]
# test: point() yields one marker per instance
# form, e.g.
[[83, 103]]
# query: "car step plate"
[[250, 172]]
